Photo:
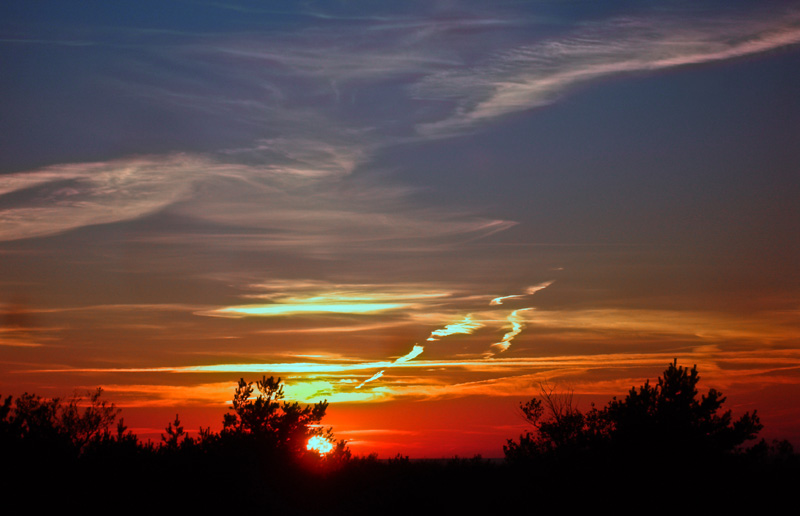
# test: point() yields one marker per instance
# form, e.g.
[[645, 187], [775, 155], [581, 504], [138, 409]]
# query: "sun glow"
[[319, 444]]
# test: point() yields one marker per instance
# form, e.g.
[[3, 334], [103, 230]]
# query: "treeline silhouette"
[[659, 442]]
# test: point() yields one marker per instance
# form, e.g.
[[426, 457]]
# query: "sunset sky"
[[420, 211]]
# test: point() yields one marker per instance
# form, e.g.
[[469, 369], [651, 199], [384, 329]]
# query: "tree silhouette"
[[172, 439], [50, 425], [670, 418], [271, 422], [666, 419]]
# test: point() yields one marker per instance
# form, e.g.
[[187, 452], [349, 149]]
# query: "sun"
[[319, 444]]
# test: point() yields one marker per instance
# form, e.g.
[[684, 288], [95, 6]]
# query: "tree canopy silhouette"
[[44, 426], [272, 425], [266, 417], [667, 418]]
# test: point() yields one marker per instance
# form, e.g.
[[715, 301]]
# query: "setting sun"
[[319, 444]]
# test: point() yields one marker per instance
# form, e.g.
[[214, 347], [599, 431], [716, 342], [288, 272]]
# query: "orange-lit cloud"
[[516, 321], [499, 300], [465, 327], [536, 288], [320, 298], [370, 379], [528, 292], [310, 307], [414, 353]]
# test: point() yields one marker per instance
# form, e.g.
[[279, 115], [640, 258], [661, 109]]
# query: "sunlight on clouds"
[[536, 288], [528, 292], [499, 300], [341, 299], [342, 302], [414, 353], [467, 326], [516, 321], [155, 395], [318, 390], [370, 379], [517, 376], [311, 307]]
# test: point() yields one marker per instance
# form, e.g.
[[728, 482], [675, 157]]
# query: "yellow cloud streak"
[[722, 368], [414, 353], [516, 328], [370, 379], [528, 292], [305, 308], [499, 300], [466, 327]]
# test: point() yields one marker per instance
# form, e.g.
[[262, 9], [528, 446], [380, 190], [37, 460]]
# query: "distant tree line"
[[663, 438], [86, 427]]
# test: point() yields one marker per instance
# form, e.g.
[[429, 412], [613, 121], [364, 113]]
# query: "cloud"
[[317, 297], [414, 353], [528, 292], [465, 327], [63, 197], [499, 300], [299, 203], [305, 308], [517, 325], [514, 318], [539, 73], [370, 379], [593, 373], [536, 288]]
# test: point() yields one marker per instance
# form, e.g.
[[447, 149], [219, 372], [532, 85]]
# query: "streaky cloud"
[[370, 379], [517, 325], [499, 300], [464, 327], [536, 288], [538, 74], [528, 292], [414, 353], [299, 308]]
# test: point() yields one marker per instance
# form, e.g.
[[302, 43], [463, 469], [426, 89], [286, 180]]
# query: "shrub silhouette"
[[665, 419]]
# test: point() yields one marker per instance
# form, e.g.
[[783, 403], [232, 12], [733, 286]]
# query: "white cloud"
[[537, 74]]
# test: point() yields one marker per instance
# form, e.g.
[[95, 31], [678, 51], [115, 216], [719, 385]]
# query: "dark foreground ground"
[[399, 486]]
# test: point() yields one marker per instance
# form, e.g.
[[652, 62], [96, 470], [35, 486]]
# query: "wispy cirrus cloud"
[[539, 73], [295, 201], [63, 197]]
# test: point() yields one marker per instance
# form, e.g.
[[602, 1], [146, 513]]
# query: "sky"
[[422, 212]]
